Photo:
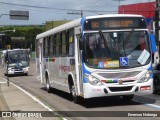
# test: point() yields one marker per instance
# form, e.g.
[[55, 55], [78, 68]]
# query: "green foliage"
[[29, 32]]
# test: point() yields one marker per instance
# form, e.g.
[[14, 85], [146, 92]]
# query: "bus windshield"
[[18, 56], [105, 49]]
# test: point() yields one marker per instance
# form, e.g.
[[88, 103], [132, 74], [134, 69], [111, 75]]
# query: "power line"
[[42, 7], [63, 9]]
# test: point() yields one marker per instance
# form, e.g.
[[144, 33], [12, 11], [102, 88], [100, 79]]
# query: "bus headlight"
[[145, 77], [93, 80], [10, 69]]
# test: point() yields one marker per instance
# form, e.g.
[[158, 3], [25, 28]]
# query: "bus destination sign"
[[108, 23]]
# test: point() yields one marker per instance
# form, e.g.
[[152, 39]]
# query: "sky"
[[41, 11]]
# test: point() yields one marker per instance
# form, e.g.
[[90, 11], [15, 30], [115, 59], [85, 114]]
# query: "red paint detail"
[[64, 68], [53, 59], [146, 9], [145, 88], [103, 81]]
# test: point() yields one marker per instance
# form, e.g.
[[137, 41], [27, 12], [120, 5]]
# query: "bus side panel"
[[78, 62], [59, 69], [38, 60]]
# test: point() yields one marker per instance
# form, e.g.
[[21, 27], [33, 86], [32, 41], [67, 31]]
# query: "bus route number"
[[95, 24]]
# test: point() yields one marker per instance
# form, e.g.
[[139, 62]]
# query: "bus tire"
[[76, 99], [26, 74], [128, 97], [48, 85], [154, 85]]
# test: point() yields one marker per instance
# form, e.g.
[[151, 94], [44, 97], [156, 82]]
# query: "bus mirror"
[[153, 42], [80, 44]]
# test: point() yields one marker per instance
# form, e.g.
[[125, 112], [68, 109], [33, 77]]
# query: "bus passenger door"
[[40, 60], [78, 61]]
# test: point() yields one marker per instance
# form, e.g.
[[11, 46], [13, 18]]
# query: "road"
[[61, 101]]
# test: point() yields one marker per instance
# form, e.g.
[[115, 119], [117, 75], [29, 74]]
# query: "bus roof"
[[60, 28], [113, 15], [77, 22]]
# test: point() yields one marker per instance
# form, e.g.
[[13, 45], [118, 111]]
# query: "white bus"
[[15, 61], [97, 56]]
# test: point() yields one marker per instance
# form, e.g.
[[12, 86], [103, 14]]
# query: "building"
[[146, 9], [149, 11]]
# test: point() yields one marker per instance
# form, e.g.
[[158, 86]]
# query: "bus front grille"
[[119, 75], [118, 89]]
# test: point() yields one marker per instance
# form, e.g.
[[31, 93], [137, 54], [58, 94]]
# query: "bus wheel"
[[26, 74], [74, 96], [128, 97], [48, 85], [154, 85]]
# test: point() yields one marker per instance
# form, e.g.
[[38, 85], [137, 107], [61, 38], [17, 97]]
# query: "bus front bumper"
[[12, 71], [91, 91]]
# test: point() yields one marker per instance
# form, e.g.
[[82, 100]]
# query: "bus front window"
[[18, 57], [101, 47]]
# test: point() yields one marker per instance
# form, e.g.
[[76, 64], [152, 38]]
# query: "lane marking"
[[151, 105], [33, 97], [3, 82]]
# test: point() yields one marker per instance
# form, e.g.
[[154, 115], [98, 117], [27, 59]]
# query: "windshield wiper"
[[129, 36], [105, 42], [126, 40]]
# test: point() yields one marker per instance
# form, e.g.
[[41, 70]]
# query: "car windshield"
[[18, 56], [120, 49]]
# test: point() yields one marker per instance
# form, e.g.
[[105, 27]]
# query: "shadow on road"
[[105, 101], [59, 93]]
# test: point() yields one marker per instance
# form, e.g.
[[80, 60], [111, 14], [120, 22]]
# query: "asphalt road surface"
[[61, 101]]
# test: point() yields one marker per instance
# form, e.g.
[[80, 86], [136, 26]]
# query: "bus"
[[15, 61], [97, 56]]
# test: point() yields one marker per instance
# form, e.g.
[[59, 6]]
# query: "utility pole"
[[157, 23], [76, 13], [119, 1]]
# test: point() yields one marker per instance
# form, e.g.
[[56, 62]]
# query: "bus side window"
[[64, 44], [71, 42], [57, 44], [37, 48], [54, 45], [45, 47], [49, 43], [60, 44]]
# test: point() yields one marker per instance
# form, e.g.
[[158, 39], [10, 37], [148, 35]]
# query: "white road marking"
[[151, 105], [3, 82], [33, 97]]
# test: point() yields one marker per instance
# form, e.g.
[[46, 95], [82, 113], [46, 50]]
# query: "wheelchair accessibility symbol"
[[124, 61]]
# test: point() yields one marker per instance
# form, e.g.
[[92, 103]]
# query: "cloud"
[[40, 15]]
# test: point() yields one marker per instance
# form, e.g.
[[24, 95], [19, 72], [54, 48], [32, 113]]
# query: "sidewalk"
[[14, 99]]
